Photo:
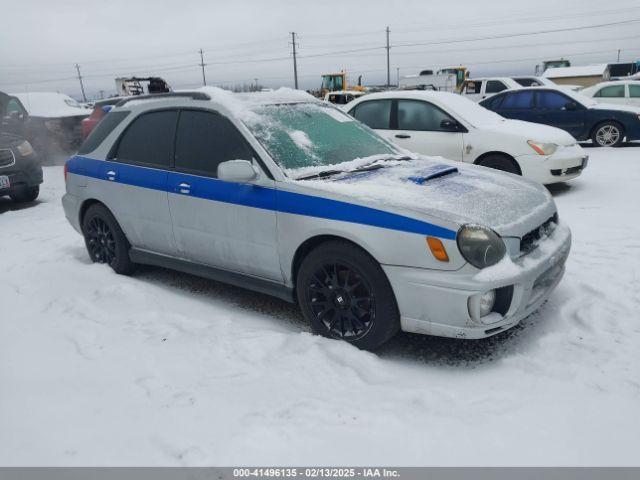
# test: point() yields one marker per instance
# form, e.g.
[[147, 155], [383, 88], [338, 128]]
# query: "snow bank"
[[165, 369], [51, 105]]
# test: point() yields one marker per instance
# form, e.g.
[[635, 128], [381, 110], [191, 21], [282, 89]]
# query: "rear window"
[[102, 131]]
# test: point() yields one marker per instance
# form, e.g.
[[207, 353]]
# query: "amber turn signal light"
[[437, 249]]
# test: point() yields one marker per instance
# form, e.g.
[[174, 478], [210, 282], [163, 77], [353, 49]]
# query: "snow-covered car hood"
[[51, 105], [430, 188], [615, 106], [531, 131]]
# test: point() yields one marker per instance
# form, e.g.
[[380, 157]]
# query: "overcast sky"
[[42, 40]]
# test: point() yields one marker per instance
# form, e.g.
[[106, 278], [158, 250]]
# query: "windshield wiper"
[[366, 168], [322, 174]]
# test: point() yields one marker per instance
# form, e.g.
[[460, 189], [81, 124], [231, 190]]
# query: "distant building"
[[585, 76]]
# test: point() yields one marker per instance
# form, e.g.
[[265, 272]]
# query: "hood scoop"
[[431, 173]]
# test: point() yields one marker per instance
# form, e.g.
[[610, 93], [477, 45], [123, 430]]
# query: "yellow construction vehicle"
[[337, 82]]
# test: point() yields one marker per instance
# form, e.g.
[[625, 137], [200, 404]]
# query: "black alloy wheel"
[[341, 300]]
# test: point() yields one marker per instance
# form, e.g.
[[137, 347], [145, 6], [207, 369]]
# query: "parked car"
[[50, 121], [288, 195], [534, 81], [622, 92], [342, 97], [478, 89], [606, 124], [20, 170], [446, 124], [100, 109]]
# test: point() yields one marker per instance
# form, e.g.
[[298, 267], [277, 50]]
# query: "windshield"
[[311, 134]]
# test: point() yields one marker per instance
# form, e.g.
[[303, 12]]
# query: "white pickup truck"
[[477, 89]]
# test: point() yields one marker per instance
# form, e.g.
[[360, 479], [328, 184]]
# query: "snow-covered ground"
[[167, 369]]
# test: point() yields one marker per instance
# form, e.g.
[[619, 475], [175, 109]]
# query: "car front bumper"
[[20, 177], [438, 302], [566, 163]]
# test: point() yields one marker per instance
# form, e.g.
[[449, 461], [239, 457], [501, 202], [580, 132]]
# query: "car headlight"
[[480, 246], [543, 148], [25, 149]]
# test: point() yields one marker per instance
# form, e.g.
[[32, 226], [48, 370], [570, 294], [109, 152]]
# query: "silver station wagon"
[[286, 195]]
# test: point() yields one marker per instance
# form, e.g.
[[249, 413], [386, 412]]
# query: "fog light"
[[487, 300]]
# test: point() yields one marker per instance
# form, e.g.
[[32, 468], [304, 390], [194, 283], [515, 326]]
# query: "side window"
[[494, 103], [375, 113], [13, 105], [206, 139], [552, 100], [495, 86], [614, 91], [634, 91], [472, 87], [148, 140], [421, 116], [518, 100], [102, 130]]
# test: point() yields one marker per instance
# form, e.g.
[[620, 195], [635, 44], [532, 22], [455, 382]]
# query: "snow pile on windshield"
[[301, 139]]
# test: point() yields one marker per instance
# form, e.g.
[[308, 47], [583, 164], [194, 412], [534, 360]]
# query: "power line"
[[512, 35]]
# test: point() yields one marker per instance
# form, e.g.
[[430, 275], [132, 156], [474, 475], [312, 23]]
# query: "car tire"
[[500, 162], [26, 194], [345, 295], [105, 240], [608, 134]]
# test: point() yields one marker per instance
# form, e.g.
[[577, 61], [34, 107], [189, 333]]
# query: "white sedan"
[[448, 125], [621, 92]]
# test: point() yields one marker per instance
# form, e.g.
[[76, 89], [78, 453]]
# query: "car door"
[[135, 180], [559, 110], [422, 127], [634, 94], [227, 225], [611, 94]]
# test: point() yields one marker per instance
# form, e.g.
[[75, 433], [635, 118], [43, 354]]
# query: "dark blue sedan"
[[607, 125]]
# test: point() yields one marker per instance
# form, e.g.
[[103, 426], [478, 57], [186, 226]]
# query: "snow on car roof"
[[51, 105], [581, 71]]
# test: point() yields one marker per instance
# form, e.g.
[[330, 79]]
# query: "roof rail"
[[160, 96]]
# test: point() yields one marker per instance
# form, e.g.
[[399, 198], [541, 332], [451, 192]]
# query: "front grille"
[[528, 243], [567, 171], [6, 158]]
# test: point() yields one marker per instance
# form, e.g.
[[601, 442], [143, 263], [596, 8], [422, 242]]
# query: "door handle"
[[403, 135], [184, 188], [111, 175]]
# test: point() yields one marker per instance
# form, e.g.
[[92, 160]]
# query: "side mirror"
[[449, 125], [238, 171], [106, 108], [571, 106]]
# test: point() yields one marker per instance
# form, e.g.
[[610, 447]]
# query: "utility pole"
[[618, 55], [204, 79], [295, 63], [398, 75], [84, 97], [388, 62]]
